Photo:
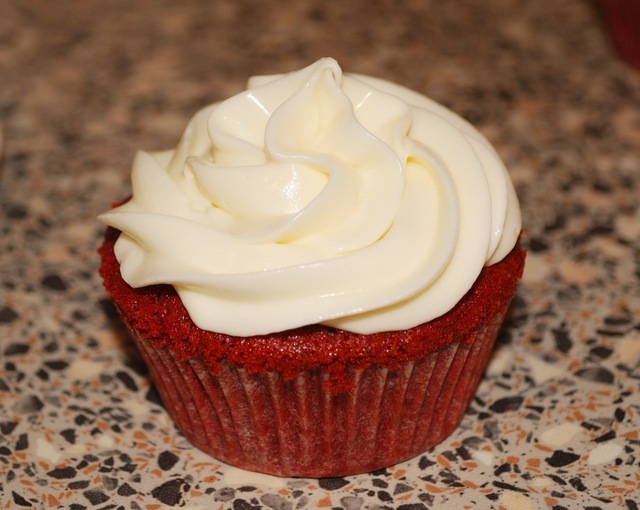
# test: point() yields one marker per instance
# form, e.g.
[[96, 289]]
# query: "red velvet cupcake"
[[317, 274], [622, 19]]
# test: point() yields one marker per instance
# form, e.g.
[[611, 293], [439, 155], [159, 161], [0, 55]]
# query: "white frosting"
[[318, 197]]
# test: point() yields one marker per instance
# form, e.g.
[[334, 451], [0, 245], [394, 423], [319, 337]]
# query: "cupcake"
[[622, 19], [316, 275]]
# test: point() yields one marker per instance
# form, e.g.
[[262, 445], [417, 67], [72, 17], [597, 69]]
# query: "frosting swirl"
[[318, 197]]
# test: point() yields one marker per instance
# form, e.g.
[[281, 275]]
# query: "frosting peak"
[[318, 197]]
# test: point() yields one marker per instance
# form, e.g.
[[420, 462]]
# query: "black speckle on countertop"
[[95, 496], [63, 472], [54, 282], [332, 484], [561, 458], [596, 374], [167, 459], [16, 348], [28, 404], [171, 492], [506, 404]]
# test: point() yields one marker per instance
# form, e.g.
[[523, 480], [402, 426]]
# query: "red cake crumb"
[[157, 313]]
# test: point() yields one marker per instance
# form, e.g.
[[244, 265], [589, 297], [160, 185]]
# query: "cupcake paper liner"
[[300, 428]]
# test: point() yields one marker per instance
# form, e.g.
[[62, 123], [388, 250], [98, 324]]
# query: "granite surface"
[[556, 420]]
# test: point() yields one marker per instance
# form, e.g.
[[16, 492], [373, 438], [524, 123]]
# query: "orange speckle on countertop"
[[325, 502], [533, 463]]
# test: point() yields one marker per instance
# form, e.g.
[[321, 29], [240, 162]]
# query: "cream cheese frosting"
[[318, 197]]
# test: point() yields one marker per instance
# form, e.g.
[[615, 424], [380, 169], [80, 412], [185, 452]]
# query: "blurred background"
[[110, 77], [83, 85]]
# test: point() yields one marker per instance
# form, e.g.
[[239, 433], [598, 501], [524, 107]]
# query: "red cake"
[[317, 274]]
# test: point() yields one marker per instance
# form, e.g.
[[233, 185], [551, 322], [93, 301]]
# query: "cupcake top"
[[318, 197]]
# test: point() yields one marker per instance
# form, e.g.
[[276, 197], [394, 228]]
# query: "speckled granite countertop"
[[556, 421]]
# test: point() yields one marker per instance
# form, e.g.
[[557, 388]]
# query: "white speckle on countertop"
[[46, 450], [604, 453], [560, 434]]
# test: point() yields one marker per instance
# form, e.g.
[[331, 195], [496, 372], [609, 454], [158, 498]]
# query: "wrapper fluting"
[[299, 427]]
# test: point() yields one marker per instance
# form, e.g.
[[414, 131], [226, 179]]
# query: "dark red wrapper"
[[262, 422]]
